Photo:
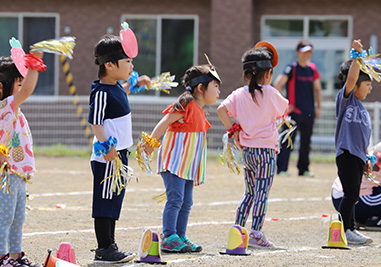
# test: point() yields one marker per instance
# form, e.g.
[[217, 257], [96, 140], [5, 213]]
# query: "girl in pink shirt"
[[255, 107]]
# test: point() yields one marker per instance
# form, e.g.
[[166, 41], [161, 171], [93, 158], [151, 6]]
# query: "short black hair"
[[109, 44], [343, 74], [8, 74]]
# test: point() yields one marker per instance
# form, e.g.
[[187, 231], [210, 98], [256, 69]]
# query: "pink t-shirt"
[[15, 134], [257, 120]]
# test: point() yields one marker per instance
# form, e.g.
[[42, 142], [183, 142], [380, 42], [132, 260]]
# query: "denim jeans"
[[179, 202]]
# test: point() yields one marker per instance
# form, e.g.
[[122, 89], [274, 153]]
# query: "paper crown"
[[128, 40], [269, 46]]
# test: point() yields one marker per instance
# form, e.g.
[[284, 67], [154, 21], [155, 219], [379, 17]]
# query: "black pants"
[[104, 231], [305, 124], [350, 170], [364, 210]]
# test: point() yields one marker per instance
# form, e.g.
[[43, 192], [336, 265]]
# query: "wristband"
[[134, 88], [373, 159], [152, 142], [356, 54], [34, 63], [102, 148], [233, 129]]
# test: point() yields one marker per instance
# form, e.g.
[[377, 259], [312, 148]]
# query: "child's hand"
[[4, 159], [236, 140], [147, 149], [144, 80], [38, 54], [368, 167], [356, 44], [111, 155]]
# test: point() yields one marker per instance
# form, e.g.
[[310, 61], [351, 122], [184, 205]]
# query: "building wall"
[[226, 28]]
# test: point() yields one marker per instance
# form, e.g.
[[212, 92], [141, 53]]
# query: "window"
[[29, 29], [331, 36], [166, 43]]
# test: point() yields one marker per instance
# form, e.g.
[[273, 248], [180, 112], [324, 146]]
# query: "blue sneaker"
[[173, 243], [194, 246]]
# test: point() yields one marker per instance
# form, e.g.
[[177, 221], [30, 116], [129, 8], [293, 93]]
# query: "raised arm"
[[22, 90], [354, 70]]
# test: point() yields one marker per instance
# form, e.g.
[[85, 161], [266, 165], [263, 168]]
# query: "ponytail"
[[256, 62]]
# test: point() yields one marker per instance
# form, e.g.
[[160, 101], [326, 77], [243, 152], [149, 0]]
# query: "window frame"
[[159, 18], [332, 43], [20, 16]]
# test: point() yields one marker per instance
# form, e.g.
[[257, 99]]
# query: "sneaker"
[[372, 224], [23, 260], [283, 173], [257, 239], [173, 243], [112, 255], [354, 237], [6, 261], [307, 174], [194, 246]]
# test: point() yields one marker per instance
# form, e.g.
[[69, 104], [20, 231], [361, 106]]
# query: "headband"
[[269, 46], [212, 75], [110, 58], [263, 64], [200, 79]]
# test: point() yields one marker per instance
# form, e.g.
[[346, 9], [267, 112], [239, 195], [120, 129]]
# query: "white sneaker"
[[354, 237]]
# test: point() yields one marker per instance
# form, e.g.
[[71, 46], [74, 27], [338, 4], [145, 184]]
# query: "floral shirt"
[[16, 135]]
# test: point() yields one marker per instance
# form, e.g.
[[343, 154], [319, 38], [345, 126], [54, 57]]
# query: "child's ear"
[[269, 73], [1, 90], [108, 65], [199, 88]]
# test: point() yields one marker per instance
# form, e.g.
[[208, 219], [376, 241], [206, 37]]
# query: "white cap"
[[305, 48]]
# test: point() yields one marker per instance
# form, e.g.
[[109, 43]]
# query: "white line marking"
[[157, 226]]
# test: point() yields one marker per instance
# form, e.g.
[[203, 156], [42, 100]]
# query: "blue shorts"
[[106, 203]]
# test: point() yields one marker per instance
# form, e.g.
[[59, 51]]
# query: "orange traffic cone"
[[52, 261]]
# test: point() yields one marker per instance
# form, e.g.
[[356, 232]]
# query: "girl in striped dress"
[[182, 154], [255, 107]]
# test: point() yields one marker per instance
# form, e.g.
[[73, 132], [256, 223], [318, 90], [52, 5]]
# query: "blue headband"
[[110, 58]]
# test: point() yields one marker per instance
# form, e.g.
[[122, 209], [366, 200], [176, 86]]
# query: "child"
[[255, 107], [352, 136], [110, 118], [14, 90], [182, 155]]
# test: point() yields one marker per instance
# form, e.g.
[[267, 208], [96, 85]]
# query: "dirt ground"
[[61, 212]]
